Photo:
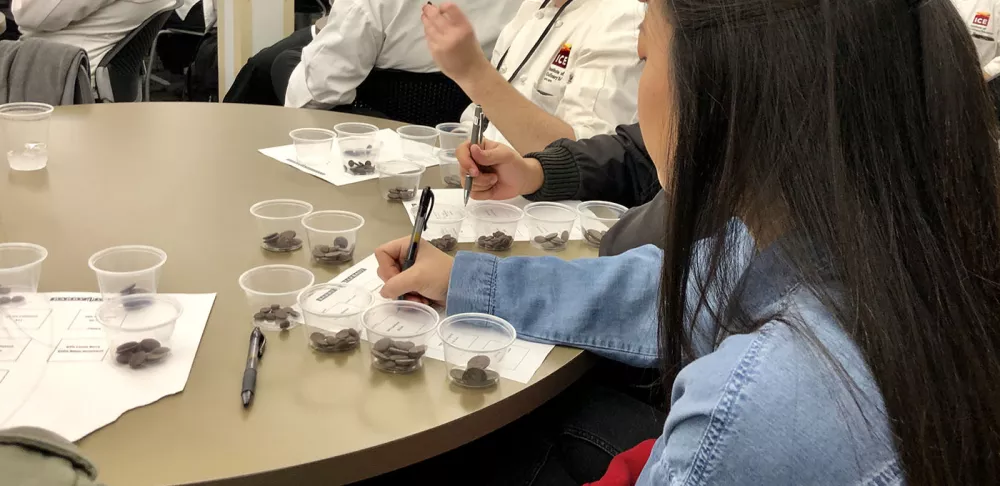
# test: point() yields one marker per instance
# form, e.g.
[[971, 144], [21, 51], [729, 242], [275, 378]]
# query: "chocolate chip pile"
[[343, 340], [553, 241], [279, 316], [445, 243], [6, 298], [594, 237], [135, 303], [360, 168], [339, 252], [397, 356], [475, 374], [453, 181], [282, 242], [498, 241], [401, 194], [137, 354]]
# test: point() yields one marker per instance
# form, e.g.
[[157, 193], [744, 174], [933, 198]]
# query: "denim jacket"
[[757, 409]]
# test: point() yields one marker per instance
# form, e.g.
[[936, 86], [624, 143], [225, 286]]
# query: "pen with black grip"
[[257, 344], [419, 225]]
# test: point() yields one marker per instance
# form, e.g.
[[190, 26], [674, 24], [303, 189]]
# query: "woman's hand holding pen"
[[506, 174], [427, 278]]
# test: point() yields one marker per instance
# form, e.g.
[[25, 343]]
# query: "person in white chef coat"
[[982, 18], [93, 25], [361, 35], [561, 68]]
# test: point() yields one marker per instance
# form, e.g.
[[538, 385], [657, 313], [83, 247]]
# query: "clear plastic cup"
[[549, 225], [474, 347], [444, 226], [496, 225], [279, 223], [272, 293], [332, 314], [26, 132], [355, 129], [418, 142], [138, 328], [451, 174], [20, 272], [313, 146], [399, 180], [398, 331], [359, 154], [332, 235], [596, 218], [127, 270], [451, 135]]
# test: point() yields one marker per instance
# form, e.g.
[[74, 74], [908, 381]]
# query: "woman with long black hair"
[[828, 296]]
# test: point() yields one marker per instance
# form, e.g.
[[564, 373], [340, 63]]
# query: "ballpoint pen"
[[257, 344], [419, 225], [478, 127]]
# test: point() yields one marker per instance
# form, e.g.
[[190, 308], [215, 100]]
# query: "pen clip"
[[263, 346], [426, 206], [261, 339]]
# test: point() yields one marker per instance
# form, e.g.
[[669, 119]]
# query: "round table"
[[182, 177]]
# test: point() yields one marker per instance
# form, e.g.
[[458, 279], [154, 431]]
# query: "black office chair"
[[119, 76], [417, 98]]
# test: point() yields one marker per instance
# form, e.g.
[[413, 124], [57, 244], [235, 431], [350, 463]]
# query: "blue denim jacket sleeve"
[[620, 325]]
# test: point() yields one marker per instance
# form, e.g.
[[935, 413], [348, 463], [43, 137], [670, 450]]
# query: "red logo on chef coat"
[[562, 59], [982, 19]]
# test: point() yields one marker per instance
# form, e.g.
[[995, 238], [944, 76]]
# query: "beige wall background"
[[246, 27]]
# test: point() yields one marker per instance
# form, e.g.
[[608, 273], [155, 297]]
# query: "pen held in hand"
[[478, 127]]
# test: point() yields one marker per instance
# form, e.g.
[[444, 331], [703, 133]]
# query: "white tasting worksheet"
[[392, 148], [521, 362], [57, 371], [456, 197]]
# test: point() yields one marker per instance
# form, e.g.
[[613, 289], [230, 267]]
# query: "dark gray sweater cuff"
[[562, 176]]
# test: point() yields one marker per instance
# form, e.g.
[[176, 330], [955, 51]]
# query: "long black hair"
[[862, 131]]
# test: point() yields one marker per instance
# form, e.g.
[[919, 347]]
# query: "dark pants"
[[264, 78], [568, 441]]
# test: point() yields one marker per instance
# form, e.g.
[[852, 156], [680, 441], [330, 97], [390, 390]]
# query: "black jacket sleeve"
[[613, 168]]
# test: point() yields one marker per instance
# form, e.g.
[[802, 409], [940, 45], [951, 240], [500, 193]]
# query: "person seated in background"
[[266, 73], [561, 68], [613, 168], [192, 15], [829, 257], [93, 25], [361, 35], [978, 16]]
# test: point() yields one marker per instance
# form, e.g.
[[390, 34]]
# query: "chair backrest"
[[418, 98], [119, 75]]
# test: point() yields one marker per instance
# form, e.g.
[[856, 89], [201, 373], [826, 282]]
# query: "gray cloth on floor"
[[44, 72]]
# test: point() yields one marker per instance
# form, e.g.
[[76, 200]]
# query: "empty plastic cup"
[[129, 269], [418, 142], [272, 293], [474, 347], [20, 268], [313, 146], [451, 135], [26, 132]]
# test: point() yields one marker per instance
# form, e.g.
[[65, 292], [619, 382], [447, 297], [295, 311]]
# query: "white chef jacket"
[[360, 35], [982, 18], [93, 25], [599, 89]]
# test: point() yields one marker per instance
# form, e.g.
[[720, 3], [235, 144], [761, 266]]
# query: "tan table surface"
[[182, 177]]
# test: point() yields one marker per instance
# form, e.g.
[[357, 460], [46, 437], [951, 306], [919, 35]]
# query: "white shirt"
[[94, 25], [982, 18], [360, 35], [599, 89]]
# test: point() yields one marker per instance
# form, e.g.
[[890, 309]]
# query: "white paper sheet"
[[521, 362], [393, 148], [456, 197], [57, 372]]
